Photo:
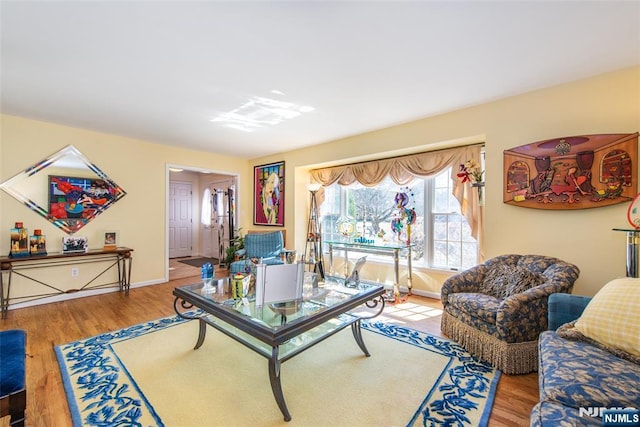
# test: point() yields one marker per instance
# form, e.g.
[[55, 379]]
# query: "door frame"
[[187, 168]]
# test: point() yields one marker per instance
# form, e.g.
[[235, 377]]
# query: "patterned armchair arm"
[[467, 281], [523, 316]]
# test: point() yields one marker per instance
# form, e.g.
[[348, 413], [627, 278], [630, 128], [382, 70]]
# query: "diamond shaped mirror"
[[66, 189]]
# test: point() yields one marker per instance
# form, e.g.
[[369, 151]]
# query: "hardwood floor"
[[57, 323]]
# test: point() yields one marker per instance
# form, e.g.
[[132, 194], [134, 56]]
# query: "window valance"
[[405, 168], [400, 169]]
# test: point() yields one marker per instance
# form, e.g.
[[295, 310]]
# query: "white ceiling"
[[161, 70]]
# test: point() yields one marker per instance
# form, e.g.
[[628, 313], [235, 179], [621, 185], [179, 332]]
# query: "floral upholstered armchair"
[[497, 309]]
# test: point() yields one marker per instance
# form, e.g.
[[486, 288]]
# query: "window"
[[441, 236]]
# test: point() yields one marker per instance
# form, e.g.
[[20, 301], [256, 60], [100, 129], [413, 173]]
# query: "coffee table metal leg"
[[357, 334], [202, 333], [276, 387]]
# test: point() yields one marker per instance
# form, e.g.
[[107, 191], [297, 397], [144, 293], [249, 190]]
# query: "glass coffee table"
[[280, 331]]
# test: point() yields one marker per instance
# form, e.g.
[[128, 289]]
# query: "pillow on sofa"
[[612, 316], [502, 281]]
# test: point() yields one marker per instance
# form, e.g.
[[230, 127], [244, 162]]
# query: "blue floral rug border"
[[93, 366], [110, 395], [455, 395]]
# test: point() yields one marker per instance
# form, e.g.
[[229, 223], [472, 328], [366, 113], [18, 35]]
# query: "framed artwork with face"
[[268, 194]]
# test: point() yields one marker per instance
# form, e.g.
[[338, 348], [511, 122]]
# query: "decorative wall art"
[[575, 172], [268, 193], [66, 189], [75, 200]]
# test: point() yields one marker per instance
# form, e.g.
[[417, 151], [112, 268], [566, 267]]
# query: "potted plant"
[[236, 244]]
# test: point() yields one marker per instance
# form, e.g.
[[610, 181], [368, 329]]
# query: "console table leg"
[[122, 268], [127, 284], [4, 297], [276, 387], [124, 272], [357, 334]]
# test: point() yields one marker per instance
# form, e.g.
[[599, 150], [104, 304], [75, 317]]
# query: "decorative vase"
[[479, 186]]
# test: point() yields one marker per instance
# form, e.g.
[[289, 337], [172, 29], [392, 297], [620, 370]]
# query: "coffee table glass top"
[[277, 315]]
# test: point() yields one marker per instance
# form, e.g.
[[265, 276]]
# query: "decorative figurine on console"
[[353, 281], [38, 243], [74, 244], [19, 241]]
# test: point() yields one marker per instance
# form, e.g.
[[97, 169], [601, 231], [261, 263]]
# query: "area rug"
[[199, 262], [149, 375]]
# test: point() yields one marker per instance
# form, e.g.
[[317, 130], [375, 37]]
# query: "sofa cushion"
[[552, 414], [611, 317], [12, 354], [577, 374], [504, 280], [473, 321], [477, 305]]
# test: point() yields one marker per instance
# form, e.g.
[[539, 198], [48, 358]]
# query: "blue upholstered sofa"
[[259, 246], [576, 374]]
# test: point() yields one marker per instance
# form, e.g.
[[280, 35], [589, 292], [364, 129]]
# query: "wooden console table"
[[121, 260]]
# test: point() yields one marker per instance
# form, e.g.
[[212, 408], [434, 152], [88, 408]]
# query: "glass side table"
[[633, 250]]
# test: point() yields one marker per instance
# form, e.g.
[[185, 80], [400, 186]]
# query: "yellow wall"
[[609, 103], [137, 166]]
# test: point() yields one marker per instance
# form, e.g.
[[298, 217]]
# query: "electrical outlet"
[[75, 272]]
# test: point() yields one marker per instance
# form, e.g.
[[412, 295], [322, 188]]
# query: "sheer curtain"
[[205, 214], [405, 168]]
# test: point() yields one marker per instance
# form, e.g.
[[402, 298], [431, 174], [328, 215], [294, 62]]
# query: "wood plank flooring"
[[58, 323]]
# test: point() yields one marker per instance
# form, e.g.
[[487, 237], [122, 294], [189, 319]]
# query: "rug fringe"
[[510, 358]]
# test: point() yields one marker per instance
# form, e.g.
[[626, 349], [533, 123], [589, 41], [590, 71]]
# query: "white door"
[[180, 220]]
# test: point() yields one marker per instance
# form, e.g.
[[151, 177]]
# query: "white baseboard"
[[92, 292], [428, 294], [79, 294]]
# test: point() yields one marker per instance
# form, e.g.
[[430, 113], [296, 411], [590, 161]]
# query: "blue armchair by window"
[[266, 246]]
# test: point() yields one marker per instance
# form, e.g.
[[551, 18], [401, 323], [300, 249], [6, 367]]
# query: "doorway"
[[201, 214]]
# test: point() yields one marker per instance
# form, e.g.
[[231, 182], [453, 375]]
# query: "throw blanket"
[[569, 332]]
